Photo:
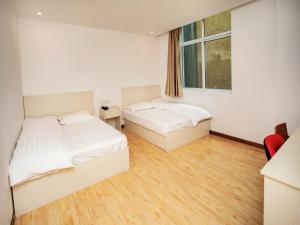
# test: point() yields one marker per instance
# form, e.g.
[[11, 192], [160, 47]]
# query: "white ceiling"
[[132, 16]]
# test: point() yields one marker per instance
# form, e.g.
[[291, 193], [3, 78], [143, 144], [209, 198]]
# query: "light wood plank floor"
[[211, 181]]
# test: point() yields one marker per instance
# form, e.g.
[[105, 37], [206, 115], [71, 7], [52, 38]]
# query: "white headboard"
[[58, 104], [131, 95]]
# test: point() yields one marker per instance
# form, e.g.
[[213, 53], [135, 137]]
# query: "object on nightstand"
[[111, 115]]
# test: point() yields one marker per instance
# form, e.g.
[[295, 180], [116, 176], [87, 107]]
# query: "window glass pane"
[[192, 31], [192, 65], [217, 24], [218, 64]]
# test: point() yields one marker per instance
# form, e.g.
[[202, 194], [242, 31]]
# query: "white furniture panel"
[[282, 184]]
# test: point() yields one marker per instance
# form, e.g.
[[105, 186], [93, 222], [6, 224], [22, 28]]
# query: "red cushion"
[[273, 143]]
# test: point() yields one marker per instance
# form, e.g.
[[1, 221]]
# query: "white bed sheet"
[[92, 138], [194, 113], [158, 120], [41, 149]]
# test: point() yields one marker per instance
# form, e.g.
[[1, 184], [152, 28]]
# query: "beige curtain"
[[173, 85]]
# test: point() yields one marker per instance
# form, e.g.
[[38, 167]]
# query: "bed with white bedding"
[[92, 138], [51, 160], [165, 117], [168, 125], [41, 149], [158, 120], [45, 146]]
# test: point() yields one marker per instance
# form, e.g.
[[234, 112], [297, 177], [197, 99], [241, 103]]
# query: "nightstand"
[[111, 116]]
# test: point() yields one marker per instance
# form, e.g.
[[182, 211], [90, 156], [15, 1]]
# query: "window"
[[206, 53]]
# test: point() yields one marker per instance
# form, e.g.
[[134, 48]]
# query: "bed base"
[[171, 140], [36, 193]]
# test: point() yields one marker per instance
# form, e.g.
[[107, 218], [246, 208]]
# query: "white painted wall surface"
[[248, 111], [62, 58], [288, 63], [11, 102]]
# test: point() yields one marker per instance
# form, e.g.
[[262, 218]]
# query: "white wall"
[[11, 105], [248, 111], [61, 58], [288, 63]]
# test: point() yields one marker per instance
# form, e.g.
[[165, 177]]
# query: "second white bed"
[[158, 120], [165, 117]]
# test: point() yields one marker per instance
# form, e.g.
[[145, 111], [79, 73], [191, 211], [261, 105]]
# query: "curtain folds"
[[173, 84]]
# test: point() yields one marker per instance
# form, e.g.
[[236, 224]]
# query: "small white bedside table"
[[111, 116]]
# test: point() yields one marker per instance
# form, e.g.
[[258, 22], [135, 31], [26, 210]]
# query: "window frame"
[[202, 40]]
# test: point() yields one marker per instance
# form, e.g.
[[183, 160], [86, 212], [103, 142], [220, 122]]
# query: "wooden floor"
[[211, 181]]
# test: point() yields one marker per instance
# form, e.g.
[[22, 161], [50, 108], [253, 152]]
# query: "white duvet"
[[194, 113], [45, 146], [40, 149], [165, 117], [92, 138], [158, 120]]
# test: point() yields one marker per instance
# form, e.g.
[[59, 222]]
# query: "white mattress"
[[158, 120], [41, 149], [92, 138]]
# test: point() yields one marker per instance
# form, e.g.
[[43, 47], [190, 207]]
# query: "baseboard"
[[13, 218], [254, 144]]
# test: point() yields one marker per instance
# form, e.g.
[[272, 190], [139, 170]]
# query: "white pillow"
[[75, 118], [139, 106]]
